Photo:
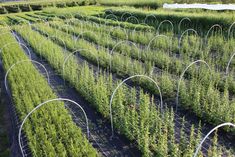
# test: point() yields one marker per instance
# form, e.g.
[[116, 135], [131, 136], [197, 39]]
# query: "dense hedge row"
[[205, 1], [136, 3], [200, 21], [51, 130], [24, 7]]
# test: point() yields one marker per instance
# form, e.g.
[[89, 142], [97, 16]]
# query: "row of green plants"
[[216, 52], [201, 21], [112, 22], [16, 7], [162, 52], [135, 115], [124, 66], [29, 18], [160, 58], [153, 4], [50, 131], [190, 47], [205, 1]]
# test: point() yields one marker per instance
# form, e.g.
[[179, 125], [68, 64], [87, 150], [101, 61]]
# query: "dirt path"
[[8, 120]]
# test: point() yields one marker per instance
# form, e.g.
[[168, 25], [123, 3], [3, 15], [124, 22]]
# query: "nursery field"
[[104, 80]]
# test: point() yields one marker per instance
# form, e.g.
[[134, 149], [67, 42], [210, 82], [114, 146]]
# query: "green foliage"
[[137, 118], [26, 6], [51, 125], [197, 89], [136, 3]]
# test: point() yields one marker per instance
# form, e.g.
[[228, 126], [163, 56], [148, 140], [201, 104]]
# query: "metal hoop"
[[133, 18], [147, 16], [229, 62], [186, 31], [181, 77], [229, 30], [20, 44], [179, 26], [125, 14], [159, 36], [22, 61], [119, 43], [119, 85], [200, 145], [215, 25], [172, 26], [115, 17], [40, 105]]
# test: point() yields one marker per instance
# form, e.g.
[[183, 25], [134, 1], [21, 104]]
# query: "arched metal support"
[[18, 43], [229, 62], [165, 21], [119, 85], [20, 62], [157, 37], [124, 15], [78, 51], [112, 17], [118, 27], [119, 43], [39, 106], [110, 11], [203, 140], [150, 15], [132, 17], [186, 31], [183, 19], [181, 77], [208, 32], [229, 30]]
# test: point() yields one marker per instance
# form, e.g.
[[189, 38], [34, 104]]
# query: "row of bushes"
[[205, 1], [24, 7], [153, 4], [199, 21]]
